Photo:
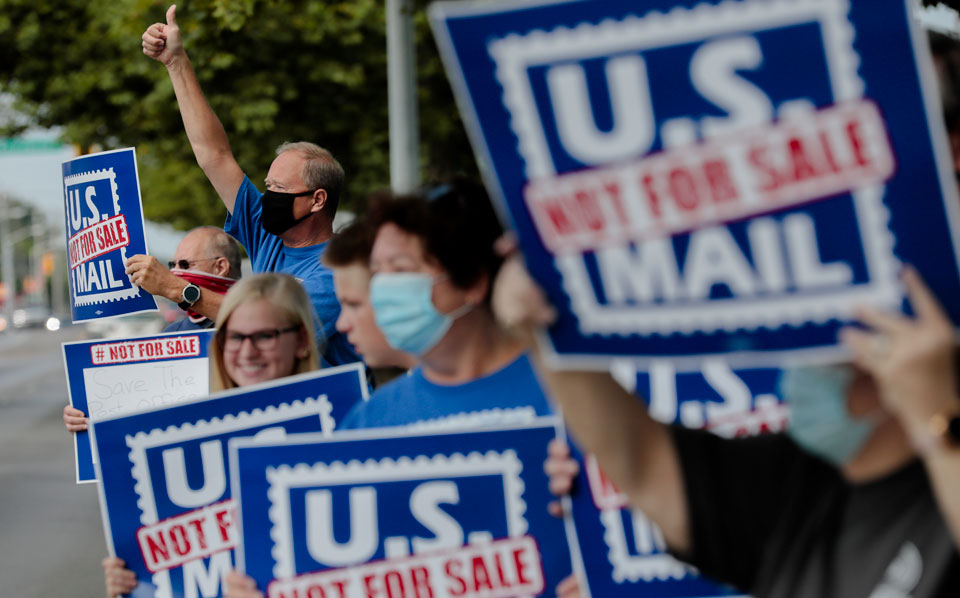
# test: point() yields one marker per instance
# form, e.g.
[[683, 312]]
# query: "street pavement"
[[51, 535]]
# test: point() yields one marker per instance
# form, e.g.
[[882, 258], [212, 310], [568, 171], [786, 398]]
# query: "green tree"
[[273, 70]]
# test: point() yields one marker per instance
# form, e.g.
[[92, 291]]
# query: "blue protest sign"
[[126, 375], [730, 402], [393, 513], [104, 221], [693, 178], [624, 552], [164, 487]]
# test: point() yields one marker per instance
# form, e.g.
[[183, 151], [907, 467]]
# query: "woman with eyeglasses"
[[264, 332]]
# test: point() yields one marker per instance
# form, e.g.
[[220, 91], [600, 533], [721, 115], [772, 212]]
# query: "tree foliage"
[[273, 71]]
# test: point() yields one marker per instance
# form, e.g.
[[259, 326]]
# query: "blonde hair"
[[289, 301]]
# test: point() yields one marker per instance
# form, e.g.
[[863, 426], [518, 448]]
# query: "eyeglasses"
[[263, 340], [185, 264]]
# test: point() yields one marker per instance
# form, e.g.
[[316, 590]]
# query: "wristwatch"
[[188, 296]]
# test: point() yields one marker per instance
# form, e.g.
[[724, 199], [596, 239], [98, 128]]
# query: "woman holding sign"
[[433, 264], [264, 332]]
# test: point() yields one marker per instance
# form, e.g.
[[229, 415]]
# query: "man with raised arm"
[[860, 498], [284, 229]]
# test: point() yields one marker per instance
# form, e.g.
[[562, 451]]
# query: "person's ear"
[[303, 346], [319, 200], [221, 266], [477, 293]]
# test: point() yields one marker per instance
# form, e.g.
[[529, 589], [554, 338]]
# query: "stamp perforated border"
[[626, 567], [284, 477], [515, 53], [87, 177], [141, 441]]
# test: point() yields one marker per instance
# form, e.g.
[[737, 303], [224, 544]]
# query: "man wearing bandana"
[[285, 229], [204, 266]]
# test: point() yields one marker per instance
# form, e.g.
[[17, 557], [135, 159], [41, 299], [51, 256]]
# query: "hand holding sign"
[[146, 272], [910, 358], [239, 585], [74, 419], [162, 42], [119, 579]]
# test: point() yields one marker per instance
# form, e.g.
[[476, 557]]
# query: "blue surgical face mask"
[[403, 307], [819, 420]]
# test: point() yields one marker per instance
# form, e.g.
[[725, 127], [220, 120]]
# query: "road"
[[51, 536]]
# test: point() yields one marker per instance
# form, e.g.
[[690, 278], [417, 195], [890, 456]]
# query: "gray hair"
[[221, 244], [320, 171]]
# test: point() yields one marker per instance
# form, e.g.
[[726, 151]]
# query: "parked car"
[[35, 316]]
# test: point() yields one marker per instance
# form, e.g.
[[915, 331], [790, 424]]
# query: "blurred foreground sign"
[[382, 513], [692, 179], [104, 221]]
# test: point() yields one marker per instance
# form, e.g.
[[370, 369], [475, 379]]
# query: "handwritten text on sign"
[[126, 388]]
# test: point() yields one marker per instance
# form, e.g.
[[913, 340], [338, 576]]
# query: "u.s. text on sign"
[[396, 513], [100, 232], [708, 178], [103, 217], [505, 467]]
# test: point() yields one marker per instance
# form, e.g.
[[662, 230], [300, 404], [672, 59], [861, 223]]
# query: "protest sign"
[[118, 376], [104, 221], [164, 487], [624, 552], [730, 402], [694, 178], [393, 513]]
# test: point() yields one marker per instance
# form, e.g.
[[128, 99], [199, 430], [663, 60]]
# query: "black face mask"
[[277, 217]]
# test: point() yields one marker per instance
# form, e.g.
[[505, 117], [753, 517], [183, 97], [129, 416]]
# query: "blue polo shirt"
[[268, 254]]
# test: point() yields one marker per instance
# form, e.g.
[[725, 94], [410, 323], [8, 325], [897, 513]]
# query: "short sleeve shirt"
[[268, 254], [508, 396], [773, 520]]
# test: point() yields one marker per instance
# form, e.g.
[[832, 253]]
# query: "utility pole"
[[7, 262], [38, 231], [402, 97]]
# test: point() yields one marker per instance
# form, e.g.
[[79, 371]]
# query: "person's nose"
[[343, 323], [248, 349]]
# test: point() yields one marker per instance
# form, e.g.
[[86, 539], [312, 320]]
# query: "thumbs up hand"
[[162, 41]]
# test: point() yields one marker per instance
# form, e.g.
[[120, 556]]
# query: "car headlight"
[[53, 323]]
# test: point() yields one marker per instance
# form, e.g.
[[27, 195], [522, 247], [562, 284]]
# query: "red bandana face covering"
[[204, 280]]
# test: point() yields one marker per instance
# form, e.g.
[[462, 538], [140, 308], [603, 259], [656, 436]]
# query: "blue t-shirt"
[[186, 324], [268, 254], [508, 396]]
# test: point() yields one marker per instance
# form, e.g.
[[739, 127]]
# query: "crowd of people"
[[861, 497]]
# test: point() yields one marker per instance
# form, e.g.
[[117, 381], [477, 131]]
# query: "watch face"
[[191, 294]]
